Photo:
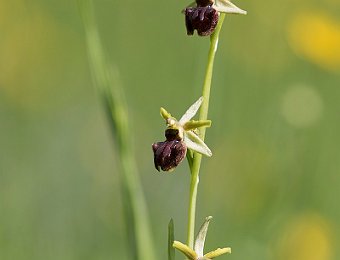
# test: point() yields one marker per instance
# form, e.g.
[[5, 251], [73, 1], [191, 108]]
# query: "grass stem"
[[105, 77]]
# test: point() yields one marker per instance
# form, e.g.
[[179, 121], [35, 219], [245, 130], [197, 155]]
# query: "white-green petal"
[[225, 6], [196, 144], [191, 111]]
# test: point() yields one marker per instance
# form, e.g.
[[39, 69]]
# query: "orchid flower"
[[180, 135]]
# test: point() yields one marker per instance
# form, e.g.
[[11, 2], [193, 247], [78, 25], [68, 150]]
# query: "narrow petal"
[[195, 143], [217, 252], [191, 111], [192, 124], [187, 251], [225, 6], [200, 239]]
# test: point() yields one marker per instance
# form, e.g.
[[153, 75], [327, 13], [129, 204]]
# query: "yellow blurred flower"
[[307, 237], [315, 36], [33, 49]]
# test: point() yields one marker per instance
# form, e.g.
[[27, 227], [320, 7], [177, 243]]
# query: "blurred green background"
[[273, 184]]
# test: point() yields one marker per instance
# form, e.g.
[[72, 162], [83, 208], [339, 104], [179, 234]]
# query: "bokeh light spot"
[[316, 37], [34, 49], [306, 237], [301, 106]]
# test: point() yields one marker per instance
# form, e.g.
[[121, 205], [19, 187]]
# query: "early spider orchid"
[[180, 135]]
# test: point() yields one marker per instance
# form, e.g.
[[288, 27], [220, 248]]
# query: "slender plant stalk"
[[196, 163], [105, 78]]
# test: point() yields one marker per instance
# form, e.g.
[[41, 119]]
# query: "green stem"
[[196, 163], [106, 80]]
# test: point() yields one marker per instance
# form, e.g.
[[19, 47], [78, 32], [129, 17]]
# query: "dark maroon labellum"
[[168, 154], [201, 18]]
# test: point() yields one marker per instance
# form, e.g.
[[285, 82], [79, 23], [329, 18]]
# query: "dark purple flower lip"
[[201, 18], [168, 154], [203, 15]]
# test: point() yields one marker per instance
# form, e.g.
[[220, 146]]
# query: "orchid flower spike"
[[180, 135]]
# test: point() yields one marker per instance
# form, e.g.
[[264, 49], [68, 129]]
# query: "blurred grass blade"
[[171, 239], [107, 83]]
